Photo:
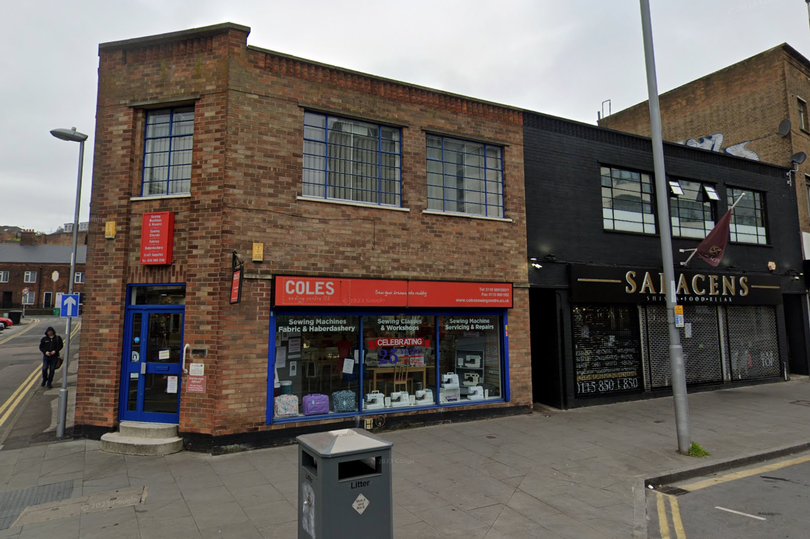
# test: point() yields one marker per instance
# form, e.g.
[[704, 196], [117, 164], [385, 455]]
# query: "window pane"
[[168, 150]]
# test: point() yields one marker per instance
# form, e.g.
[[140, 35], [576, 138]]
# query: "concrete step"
[[115, 442], [141, 429]]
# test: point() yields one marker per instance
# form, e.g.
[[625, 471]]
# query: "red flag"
[[712, 248]]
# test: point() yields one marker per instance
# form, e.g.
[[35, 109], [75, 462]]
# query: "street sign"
[[69, 306], [25, 291], [679, 318]]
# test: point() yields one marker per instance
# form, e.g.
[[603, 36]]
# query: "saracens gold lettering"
[[631, 284], [743, 286], [695, 289], [647, 285], [683, 286], [698, 285]]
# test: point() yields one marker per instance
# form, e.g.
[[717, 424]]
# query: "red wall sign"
[[327, 292], [157, 238], [236, 286], [195, 384]]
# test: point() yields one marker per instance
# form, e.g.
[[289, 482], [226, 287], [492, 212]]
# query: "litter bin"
[[15, 317], [56, 311], [344, 486]]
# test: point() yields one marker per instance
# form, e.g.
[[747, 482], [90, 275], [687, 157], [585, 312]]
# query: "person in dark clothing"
[[50, 346]]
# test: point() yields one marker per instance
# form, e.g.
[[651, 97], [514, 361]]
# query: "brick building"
[[30, 266], [598, 319], [740, 110], [380, 224]]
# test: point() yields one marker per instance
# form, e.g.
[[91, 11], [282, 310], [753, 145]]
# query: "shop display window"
[[316, 365], [323, 366], [470, 351], [400, 367]]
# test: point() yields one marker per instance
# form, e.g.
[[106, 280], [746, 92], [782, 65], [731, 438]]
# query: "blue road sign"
[[69, 308]]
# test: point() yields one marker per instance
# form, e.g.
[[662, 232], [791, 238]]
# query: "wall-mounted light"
[[771, 266], [795, 275], [535, 263], [550, 257]]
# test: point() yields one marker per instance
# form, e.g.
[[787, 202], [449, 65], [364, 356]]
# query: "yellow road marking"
[[17, 397], [34, 322], [680, 533], [744, 473], [663, 525], [75, 329]]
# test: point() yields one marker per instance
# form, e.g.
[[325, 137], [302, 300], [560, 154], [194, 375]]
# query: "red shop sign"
[[236, 286], [328, 292], [157, 238]]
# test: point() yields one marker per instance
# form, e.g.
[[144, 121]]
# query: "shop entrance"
[[151, 374]]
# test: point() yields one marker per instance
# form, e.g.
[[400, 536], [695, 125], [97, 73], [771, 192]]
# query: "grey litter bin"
[[344, 486], [15, 317]]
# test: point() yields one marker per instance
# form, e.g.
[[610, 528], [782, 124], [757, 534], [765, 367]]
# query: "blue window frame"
[[168, 141], [439, 362], [464, 176], [351, 160]]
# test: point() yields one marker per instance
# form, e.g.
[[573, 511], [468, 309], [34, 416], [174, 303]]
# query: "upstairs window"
[[30, 277], [3, 276], [78, 278], [803, 125], [627, 203], [748, 218], [464, 176], [691, 208], [351, 160], [167, 150]]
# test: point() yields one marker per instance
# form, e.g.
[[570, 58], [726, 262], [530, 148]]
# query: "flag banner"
[[712, 248]]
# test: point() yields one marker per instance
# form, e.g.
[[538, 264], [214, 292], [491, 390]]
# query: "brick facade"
[[246, 186], [745, 102]]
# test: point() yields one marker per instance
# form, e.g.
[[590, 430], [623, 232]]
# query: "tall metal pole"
[[664, 229], [63, 391]]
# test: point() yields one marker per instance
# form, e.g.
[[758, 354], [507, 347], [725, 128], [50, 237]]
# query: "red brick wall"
[[246, 178]]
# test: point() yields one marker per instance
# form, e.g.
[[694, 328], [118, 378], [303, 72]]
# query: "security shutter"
[[753, 343]]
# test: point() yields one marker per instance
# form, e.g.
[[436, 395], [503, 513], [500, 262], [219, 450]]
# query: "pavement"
[[550, 474]]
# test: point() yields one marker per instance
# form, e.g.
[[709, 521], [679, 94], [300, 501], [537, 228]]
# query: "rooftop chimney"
[[28, 237]]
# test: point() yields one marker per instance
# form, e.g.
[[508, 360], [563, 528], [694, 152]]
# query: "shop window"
[[691, 208], [4, 276], [29, 298], [30, 277], [627, 203], [748, 218], [802, 104], [351, 160], [317, 358], [399, 357], [464, 176], [470, 347], [607, 350], [168, 141], [78, 278]]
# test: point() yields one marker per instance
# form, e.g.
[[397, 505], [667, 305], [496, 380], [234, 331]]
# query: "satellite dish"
[[784, 128], [798, 158]]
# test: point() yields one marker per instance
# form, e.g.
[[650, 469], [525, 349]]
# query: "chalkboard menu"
[[607, 350]]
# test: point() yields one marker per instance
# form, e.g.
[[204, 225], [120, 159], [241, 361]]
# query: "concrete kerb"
[[642, 483]]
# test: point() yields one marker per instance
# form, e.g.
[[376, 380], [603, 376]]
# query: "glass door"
[[152, 367]]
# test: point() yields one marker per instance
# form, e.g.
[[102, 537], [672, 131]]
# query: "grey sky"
[[552, 56]]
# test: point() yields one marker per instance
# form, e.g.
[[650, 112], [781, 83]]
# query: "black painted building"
[[598, 317]]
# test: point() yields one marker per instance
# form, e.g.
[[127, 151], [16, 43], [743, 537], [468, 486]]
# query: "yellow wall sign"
[[679, 309], [258, 252]]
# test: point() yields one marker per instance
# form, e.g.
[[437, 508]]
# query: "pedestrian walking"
[[50, 346]]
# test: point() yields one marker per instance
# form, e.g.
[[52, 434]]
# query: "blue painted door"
[[152, 365]]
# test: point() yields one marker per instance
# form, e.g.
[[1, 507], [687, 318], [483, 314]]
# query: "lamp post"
[[70, 135]]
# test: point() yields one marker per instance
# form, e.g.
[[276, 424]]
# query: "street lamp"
[[70, 135]]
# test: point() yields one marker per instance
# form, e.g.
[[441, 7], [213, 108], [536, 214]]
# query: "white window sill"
[[467, 215], [350, 203], [159, 197]]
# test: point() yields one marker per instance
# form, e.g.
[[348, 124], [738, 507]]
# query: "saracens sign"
[[595, 284]]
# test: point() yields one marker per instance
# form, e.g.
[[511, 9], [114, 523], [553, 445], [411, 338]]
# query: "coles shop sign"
[[157, 238], [321, 291]]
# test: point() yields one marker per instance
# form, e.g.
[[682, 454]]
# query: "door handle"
[[185, 350], [161, 368]]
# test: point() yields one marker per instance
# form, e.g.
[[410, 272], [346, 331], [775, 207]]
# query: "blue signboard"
[[69, 307]]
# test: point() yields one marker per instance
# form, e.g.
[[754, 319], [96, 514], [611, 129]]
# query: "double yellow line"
[[663, 521], [34, 322], [16, 398]]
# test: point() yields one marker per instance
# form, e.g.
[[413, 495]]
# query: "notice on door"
[[171, 384]]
